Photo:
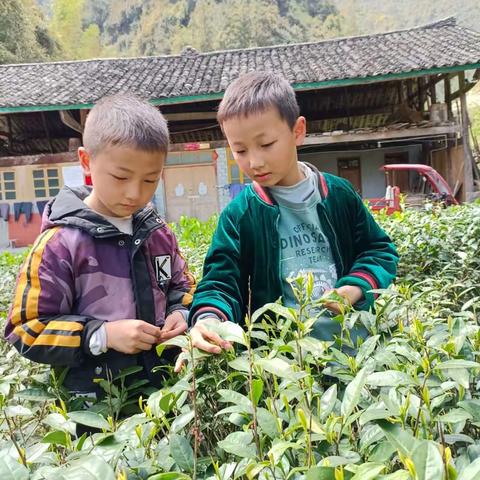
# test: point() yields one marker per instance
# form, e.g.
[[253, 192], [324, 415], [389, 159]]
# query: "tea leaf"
[[182, 452], [89, 419], [428, 462], [11, 469], [353, 392]]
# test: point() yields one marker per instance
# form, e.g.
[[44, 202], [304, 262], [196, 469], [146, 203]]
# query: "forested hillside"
[[38, 30]]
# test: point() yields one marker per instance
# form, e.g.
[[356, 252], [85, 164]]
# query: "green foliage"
[[168, 26], [372, 16], [9, 265], [77, 41], [23, 33], [475, 114], [145, 27], [90, 46], [108, 28], [473, 99], [194, 239], [138, 27], [402, 405]]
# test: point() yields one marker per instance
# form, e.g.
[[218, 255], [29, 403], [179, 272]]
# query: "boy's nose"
[[133, 192], [256, 162]]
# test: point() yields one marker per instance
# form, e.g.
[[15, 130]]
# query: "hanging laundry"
[[41, 204], [25, 208], [4, 211]]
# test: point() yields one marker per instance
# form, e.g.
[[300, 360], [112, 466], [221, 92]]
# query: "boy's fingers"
[[147, 338], [208, 341], [144, 346], [208, 347], [217, 339], [150, 329], [166, 335], [333, 306], [167, 327], [179, 323], [181, 361], [179, 364], [170, 324], [199, 340]]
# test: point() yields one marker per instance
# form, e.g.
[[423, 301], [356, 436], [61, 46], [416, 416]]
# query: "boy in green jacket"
[[290, 221]]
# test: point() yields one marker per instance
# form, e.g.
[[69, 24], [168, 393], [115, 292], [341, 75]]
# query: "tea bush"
[[403, 405]]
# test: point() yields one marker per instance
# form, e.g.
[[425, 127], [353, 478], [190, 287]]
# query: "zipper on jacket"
[[279, 251], [140, 219], [137, 242]]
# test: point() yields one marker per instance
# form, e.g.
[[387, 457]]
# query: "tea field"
[[404, 405]]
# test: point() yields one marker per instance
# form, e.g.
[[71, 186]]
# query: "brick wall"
[[23, 233]]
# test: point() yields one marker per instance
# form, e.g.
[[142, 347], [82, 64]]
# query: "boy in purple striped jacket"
[[105, 281]]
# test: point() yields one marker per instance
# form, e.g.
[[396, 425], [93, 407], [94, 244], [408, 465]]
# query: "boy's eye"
[[266, 145], [119, 178], [240, 152], [150, 181]]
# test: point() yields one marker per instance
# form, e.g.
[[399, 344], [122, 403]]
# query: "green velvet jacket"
[[245, 250]]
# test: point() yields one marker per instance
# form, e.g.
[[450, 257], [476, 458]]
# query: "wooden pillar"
[[400, 92], [421, 94], [468, 158], [448, 97], [410, 93], [433, 90]]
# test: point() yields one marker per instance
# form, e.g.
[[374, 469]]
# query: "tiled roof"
[[436, 46]]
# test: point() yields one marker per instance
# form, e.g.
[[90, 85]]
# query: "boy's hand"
[[205, 339], [351, 293], [175, 324], [131, 336]]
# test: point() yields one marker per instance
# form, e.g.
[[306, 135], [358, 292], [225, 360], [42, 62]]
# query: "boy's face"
[[124, 179], [265, 147]]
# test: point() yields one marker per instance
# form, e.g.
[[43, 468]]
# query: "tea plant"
[[402, 405]]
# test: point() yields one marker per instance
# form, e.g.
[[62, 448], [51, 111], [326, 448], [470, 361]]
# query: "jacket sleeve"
[[40, 323], [376, 259], [182, 284], [221, 291]]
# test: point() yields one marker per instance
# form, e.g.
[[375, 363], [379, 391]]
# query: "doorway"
[[190, 190], [349, 168]]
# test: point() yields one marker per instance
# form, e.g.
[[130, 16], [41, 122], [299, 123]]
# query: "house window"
[[235, 175], [7, 186], [46, 182]]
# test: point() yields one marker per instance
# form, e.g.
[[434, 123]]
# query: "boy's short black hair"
[[255, 92], [125, 120]]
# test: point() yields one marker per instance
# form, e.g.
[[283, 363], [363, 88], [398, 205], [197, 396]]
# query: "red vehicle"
[[425, 184]]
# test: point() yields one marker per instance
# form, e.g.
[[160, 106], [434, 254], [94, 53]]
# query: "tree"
[[76, 39], [159, 27], [66, 24], [24, 36], [252, 23], [202, 31], [90, 46]]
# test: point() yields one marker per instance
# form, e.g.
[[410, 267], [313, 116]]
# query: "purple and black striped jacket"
[[82, 272]]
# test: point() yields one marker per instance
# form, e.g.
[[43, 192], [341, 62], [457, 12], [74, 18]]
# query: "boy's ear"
[[300, 130], [84, 159]]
